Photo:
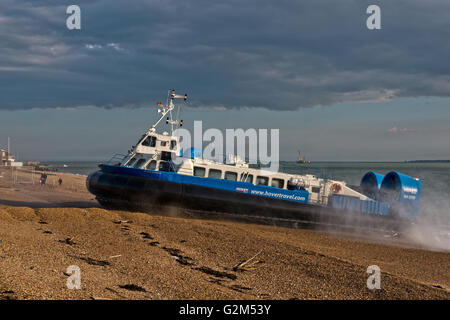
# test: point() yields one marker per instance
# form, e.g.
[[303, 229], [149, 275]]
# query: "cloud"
[[93, 46], [112, 45], [280, 55], [115, 46]]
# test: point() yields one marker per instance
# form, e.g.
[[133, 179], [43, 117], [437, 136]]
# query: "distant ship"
[[301, 159]]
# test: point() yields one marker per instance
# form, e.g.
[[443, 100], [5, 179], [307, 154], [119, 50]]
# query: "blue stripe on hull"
[[301, 196]]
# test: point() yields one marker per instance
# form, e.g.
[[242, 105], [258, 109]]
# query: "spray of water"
[[432, 228]]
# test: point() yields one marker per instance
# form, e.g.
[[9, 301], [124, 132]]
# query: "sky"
[[334, 88]]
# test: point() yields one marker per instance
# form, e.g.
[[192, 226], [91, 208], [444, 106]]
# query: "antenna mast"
[[167, 109]]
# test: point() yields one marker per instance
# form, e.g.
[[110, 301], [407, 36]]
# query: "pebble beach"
[[171, 254]]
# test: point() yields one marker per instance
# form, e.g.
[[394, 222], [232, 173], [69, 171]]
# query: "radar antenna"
[[166, 111]]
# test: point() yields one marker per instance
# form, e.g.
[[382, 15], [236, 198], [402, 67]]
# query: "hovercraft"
[[147, 177]]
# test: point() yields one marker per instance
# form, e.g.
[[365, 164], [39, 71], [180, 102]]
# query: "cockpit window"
[[173, 144], [166, 155], [149, 141]]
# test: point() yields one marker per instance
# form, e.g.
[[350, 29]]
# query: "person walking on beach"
[[43, 178], [60, 181]]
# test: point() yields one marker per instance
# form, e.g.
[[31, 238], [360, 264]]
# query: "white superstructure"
[[154, 151]]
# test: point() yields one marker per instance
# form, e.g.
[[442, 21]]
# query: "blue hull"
[[138, 189]]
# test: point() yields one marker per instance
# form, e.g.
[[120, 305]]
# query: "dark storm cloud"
[[273, 54]]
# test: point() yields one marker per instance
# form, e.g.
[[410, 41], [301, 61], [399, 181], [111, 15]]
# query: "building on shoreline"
[[7, 159]]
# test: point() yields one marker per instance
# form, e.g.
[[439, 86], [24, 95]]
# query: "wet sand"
[[165, 255]]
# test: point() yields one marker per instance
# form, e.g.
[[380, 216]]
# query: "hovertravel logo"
[[237, 146], [278, 195]]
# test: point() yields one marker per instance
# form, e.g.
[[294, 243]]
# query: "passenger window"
[[278, 183], [315, 189], [230, 176], [173, 144], [164, 166], [139, 163], [151, 165], [131, 162], [213, 173], [247, 178], [262, 180], [199, 171]]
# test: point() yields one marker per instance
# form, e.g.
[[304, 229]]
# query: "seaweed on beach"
[[68, 241], [132, 287], [249, 264], [240, 288], [145, 235], [176, 253], [95, 262], [216, 273]]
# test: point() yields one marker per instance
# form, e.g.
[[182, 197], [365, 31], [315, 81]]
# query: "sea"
[[435, 176]]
